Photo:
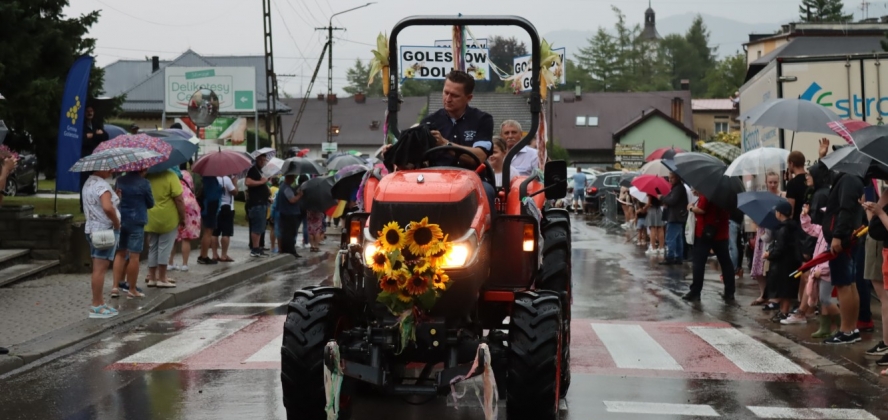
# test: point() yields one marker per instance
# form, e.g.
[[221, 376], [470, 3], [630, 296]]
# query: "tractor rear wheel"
[[555, 275], [315, 316], [534, 357]]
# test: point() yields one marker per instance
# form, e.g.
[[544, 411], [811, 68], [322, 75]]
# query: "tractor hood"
[[449, 197]]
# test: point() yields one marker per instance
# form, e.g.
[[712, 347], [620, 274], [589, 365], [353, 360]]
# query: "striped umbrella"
[[722, 150], [116, 159], [138, 141], [845, 128]]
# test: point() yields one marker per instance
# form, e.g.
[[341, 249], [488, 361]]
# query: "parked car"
[[603, 183], [24, 179]]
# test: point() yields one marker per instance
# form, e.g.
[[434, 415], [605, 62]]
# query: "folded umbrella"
[[317, 194], [873, 142], [222, 163], [183, 151], [119, 159], [828, 255], [759, 162], [652, 185], [138, 141], [663, 153], [845, 128], [759, 206]]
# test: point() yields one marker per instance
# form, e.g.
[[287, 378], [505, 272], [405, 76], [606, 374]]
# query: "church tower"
[[650, 25]]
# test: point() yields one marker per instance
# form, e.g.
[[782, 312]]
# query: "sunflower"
[[378, 262], [404, 295], [436, 258], [441, 280], [417, 285], [423, 237], [421, 267], [391, 237], [390, 284], [395, 267]]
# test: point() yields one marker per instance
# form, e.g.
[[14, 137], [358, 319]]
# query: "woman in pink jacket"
[[819, 283]]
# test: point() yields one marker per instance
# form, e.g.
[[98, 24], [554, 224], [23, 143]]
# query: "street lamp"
[[330, 70]]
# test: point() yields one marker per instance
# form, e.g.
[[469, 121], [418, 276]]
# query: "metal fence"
[[610, 212]]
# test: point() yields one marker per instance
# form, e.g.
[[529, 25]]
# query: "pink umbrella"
[[222, 163], [844, 128], [138, 141], [652, 185]]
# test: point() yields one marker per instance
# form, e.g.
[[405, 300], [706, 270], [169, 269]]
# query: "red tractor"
[[510, 272]]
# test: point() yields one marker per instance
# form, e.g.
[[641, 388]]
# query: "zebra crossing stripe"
[[749, 355], [190, 341], [811, 413], [666, 409], [633, 348], [271, 352]]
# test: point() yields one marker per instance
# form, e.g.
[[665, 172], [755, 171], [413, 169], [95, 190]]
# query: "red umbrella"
[[827, 256], [302, 153], [663, 153], [844, 128], [652, 185], [222, 163]]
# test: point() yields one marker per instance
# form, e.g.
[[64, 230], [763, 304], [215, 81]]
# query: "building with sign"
[[358, 119], [653, 129], [144, 84]]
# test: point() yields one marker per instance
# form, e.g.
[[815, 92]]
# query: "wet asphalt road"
[[638, 352]]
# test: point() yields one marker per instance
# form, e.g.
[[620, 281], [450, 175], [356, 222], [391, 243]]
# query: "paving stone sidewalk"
[[42, 316]]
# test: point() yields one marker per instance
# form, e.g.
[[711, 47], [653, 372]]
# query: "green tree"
[[727, 76], [576, 74], [358, 76], [600, 59], [39, 45], [823, 11], [701, 58]]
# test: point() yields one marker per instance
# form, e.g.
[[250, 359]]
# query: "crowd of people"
[[822, 212]]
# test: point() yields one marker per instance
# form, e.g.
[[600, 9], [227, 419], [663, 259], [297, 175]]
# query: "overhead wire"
[[173, 25]]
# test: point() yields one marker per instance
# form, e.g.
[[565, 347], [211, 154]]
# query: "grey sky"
[[133, 29]]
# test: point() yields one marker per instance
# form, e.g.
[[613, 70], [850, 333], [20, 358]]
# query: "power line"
[[172, 25], [287, 27], [299, 14]]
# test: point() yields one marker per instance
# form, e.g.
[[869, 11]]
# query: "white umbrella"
[[640, 196], [263, 151], [759, 162], [654, 167], [273, 167]]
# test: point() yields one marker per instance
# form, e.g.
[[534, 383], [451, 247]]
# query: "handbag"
[[103, 239]]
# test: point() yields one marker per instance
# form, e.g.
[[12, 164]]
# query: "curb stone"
[[56, 341]]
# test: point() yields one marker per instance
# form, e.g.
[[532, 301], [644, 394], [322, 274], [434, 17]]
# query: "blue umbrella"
[[114, 131], [759, 206], [183, 151]]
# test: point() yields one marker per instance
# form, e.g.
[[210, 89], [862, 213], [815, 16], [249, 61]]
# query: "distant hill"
[[727, 34]]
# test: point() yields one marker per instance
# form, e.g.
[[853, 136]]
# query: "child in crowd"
[[785, 257], [275, 183]]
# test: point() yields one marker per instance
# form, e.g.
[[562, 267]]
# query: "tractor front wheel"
[[534, 357], [555, 275], [314, 317]]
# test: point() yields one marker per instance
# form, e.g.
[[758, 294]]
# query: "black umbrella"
[[848, 160], [340, 162], [626, 179], [317, 194], [348, 180], [759, 206], [706, 174], [300, 166]]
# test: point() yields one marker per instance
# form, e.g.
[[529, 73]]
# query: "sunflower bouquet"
[[408, 265]]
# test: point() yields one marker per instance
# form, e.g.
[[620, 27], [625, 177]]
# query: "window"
[[581, 121], [721, 127], [592, 121], [612, 181]]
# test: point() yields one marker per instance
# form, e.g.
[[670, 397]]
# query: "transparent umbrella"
[[759, 162]]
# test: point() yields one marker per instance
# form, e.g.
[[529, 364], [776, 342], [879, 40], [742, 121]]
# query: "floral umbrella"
[[138, 141], [116, 160]]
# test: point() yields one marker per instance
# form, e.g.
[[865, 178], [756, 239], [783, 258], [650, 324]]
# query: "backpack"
[[212, 189]]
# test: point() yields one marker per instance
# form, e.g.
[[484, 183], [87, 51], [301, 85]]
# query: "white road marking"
[[811, 413], [189, 342], [250, 305], [749, 355], [271, 352], [660, 408], [633, 348]]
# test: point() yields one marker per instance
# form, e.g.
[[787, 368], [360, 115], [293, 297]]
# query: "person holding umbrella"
[[676, 203], [288, 207], [878, 231], [258, 195], [136, 198], [711, 233]]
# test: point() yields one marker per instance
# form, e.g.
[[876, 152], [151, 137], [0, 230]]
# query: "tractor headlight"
[[462, 251], [369, 252]]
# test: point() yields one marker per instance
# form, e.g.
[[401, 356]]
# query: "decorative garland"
[[407, 264]]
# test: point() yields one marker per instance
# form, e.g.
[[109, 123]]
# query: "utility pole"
[[271, 90], [330, 30]]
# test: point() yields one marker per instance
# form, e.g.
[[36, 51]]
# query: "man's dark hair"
[[797, 159], [463, 78], [176, 125]]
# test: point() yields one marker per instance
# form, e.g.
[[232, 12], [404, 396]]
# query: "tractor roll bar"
[[535, 99]]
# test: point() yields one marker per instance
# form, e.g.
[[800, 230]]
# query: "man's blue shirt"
[[473, 129]]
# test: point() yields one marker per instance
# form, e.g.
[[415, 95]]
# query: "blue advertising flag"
[[71, 124]]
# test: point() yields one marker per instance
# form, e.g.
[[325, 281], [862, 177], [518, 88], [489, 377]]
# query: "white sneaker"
[[152, 283], [659, 251], [164, 284], [172, 267], [794, 319], [182, 268], [650, 251]]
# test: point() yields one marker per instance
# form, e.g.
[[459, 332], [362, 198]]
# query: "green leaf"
[[427, 300]]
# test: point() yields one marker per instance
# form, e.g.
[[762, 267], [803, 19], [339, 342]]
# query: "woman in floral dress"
[[762, 242], [191, 230]]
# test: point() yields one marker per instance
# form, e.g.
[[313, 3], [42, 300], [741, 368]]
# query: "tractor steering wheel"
[[486, 175]]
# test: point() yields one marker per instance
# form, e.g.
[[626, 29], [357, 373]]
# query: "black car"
[[24, 178], [604, 183]]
